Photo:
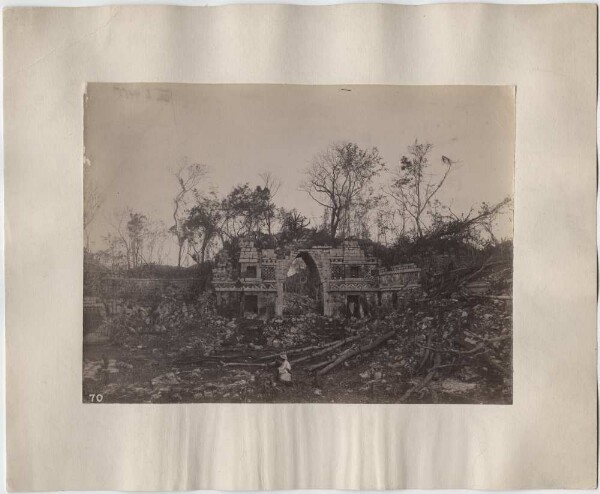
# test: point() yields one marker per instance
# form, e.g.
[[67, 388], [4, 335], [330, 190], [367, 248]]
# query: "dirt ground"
[[203, 358]]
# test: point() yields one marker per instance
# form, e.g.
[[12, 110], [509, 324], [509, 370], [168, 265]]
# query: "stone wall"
[[353, 304], [400, 275], [350, 283], [239, 304], [144, 288], [94, 314]]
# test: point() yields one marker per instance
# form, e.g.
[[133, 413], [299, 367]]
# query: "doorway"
[[251, 304]]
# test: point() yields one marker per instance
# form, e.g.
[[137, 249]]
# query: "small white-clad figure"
[[285, 369]]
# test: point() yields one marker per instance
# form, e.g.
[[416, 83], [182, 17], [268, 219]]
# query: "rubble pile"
[[456, 348], [167, 314], [298, 304], [500, 282], [291, 331]]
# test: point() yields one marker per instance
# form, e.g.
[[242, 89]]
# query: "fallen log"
[[475, 349], [320, 364], [419, 386], [499, 367], [229, 356], [330, 360], [252, 364], [458, 282], [492, 340], [327, 349], [427, 352], [493, 297], [296, 351], [352, 353], [293, 351]]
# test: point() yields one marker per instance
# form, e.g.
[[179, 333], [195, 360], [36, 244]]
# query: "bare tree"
[[155, 238], [338, 177], [414, 187], [271, 182], [114, 256], [390, 221], [92, 201], [131, 229], [119, 224], [188, 178]]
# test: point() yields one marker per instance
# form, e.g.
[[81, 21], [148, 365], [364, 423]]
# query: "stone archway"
[[344, 272], [316, 265]]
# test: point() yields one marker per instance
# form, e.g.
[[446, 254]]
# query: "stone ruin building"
[[350, 282]]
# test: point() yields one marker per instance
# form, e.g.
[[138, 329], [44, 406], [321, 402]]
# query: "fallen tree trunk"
[[427, 352], [326, 346], [493, 297], [475, 349], [253, 364], [457, 281], [252, 358], [352, 353], [419, 386], [330, 360], [327, 349], [320, 364]]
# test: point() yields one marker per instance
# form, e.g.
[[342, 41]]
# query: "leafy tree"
[[137, 228], [338, 178], [202, 225], [293, 225], [245, 209]]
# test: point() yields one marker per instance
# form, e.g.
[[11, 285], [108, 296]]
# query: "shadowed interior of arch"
[[303, 290]]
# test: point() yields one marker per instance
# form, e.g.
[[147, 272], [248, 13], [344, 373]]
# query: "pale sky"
[[136, 133]]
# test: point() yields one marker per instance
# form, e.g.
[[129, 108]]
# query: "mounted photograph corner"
[[297, 244]]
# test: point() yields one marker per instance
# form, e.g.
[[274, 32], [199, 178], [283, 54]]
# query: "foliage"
[[403, 221], [339, 180], [294, 226], [246, 210], [202, 225]]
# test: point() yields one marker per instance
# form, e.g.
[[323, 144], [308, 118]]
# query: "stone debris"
[[168, 379], [456, 386], [174, 350]]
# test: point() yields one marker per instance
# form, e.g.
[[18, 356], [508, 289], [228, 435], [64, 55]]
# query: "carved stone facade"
[[350, 282]]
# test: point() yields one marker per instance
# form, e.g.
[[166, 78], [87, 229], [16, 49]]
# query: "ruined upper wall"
[[401, 275], [347, 262]]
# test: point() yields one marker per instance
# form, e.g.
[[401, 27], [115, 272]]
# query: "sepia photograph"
[[297, 244]]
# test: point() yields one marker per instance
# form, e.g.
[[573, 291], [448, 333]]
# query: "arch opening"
[[303, 287]]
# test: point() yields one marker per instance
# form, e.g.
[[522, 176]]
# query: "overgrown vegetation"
[[394, 211]]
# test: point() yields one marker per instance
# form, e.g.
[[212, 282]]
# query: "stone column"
[[280, 272], [279, 299], [326, 302]]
